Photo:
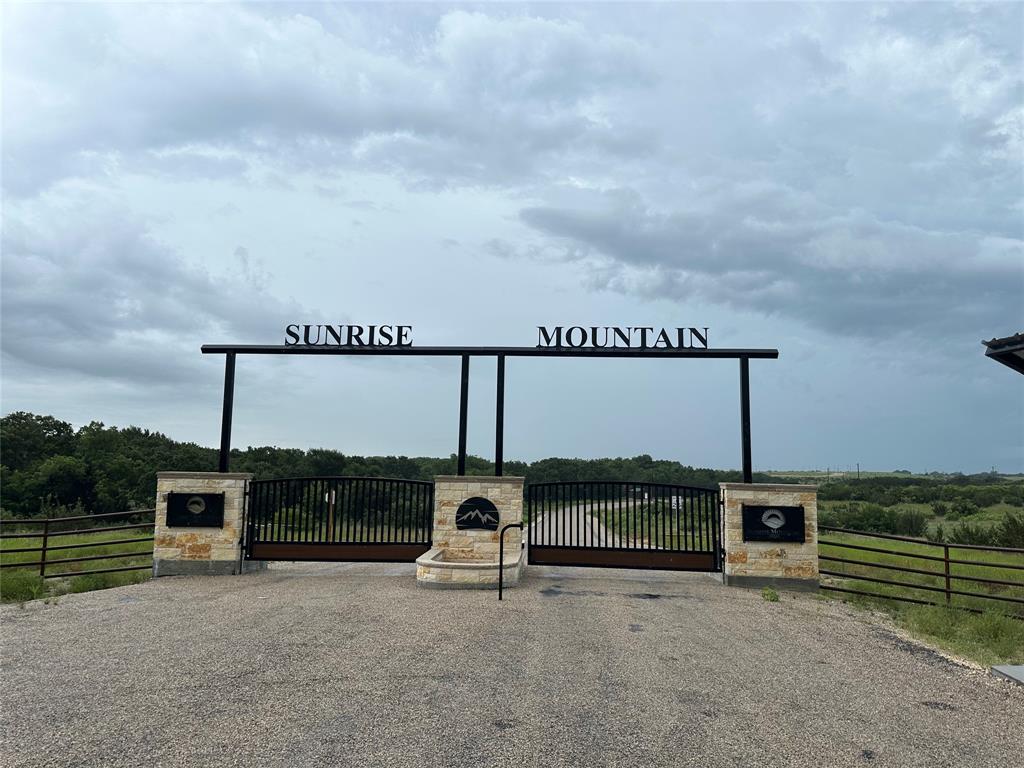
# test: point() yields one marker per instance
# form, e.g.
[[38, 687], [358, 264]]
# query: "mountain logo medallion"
[[477, 513]]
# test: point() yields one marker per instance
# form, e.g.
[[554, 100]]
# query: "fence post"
[[945, 549], [42, 555]]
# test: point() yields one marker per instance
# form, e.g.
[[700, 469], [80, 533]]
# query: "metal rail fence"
[[48, 533], [937, 582]]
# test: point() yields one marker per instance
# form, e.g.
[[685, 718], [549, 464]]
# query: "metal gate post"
[[748, 472], [227, 412], [499, 419], [243, 532], [463, 407]]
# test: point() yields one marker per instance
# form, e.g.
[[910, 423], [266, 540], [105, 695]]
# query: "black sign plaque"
[[195, 510], [773, 523], [477, 513]]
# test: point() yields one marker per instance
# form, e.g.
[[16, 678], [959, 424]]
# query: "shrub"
[[965, 507], [912, 523], [770, 595], [965, 533], [1010, 531], [873, 518], [939, 509], [20, 585]]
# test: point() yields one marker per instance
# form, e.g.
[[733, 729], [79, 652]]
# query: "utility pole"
[[858, 470]]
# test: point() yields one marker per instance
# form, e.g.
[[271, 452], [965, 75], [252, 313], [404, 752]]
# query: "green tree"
[[62, 481], [27, 439]]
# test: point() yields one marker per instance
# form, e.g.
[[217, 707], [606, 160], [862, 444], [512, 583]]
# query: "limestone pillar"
[[766, 556], [201, 545]]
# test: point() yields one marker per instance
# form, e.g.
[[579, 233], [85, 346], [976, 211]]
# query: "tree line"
[[949, 492], [48, 468]]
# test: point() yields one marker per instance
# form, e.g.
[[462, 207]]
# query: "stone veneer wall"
[[762, 563], [192, 551], [506, 493]]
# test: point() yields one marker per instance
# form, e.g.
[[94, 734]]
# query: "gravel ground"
[[349, 664]]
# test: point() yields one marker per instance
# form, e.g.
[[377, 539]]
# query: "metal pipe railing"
[[501, 555]]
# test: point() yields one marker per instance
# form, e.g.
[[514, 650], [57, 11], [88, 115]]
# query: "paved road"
[[353, 665]]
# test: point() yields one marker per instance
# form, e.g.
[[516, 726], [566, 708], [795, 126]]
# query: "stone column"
[[469, 557], [781, 564], [186, 551], [506, 493]]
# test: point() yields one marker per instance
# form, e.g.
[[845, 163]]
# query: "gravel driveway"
[[353, 665]]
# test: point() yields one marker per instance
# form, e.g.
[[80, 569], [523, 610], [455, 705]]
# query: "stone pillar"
[[777, 563], [461, 557], [450, 491], [195, 549]]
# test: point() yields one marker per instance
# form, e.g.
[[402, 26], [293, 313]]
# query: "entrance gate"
[[624, 525], [339, 518]]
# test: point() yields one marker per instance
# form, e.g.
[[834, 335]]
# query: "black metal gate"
[[339, 518], [624, 525]]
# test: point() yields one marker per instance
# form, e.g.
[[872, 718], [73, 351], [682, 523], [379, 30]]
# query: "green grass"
[[20, 584], [988, 638]]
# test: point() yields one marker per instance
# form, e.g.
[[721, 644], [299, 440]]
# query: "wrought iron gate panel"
[[624, 525], [339, 518]]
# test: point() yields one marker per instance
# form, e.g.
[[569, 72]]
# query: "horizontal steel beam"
[[410, 351]]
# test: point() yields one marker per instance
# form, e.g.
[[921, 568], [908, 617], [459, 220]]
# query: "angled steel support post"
[[499, 420], [463, 408], [748, 472], [229, 404]]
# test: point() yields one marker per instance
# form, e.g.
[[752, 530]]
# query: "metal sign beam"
[[410, 351], [230, 351]]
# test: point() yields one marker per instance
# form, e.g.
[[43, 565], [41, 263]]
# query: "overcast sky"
[[842, 182]]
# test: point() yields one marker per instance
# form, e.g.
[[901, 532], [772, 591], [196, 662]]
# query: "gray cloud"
[[87, 290], [844, 272], [484, 99]]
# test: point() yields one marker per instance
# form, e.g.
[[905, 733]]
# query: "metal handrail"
[[501, 555]]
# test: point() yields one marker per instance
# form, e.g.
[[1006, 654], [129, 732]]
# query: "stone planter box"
[[438, 569]]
